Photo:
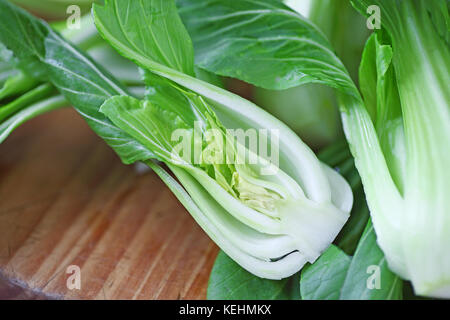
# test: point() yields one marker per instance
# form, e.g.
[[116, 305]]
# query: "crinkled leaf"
[[147, 122]]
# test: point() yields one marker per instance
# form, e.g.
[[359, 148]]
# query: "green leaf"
[[369, 277], [147, 122], [24, 35], [154, 121], [229, 281], [261, 42], [368, 77], [82, 81], [87, 85], [344, 27], [165, 42], [323, 279]]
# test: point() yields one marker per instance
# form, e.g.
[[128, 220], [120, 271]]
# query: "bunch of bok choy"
[[270, 219], [397, 125]]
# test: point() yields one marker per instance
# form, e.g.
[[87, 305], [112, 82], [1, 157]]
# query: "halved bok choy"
[[269, 219]]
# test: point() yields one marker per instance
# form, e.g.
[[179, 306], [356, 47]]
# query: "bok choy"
[[404, 79], [398, 129], [271, 223], [271, 215]]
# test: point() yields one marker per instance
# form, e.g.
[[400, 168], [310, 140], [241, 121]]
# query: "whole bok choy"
[[271, 224], [398, 130], [405, 76]]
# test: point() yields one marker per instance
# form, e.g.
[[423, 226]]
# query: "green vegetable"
[[397, 126], [261, 221], [271, 225], [412, 121], [398, 134]]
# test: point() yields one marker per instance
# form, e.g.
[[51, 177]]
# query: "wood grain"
[[66, 199]]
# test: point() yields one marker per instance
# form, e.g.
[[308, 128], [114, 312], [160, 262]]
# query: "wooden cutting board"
[[67, 200]]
